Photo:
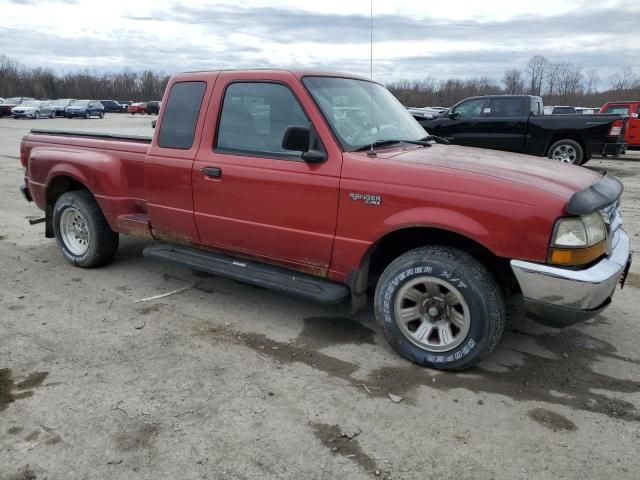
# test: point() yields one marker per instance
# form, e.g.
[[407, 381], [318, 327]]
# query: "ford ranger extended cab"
[[516, 123], [323, 186]]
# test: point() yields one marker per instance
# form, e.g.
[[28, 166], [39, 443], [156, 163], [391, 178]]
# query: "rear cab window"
[[178, 126], [505, 107], [617, 109]]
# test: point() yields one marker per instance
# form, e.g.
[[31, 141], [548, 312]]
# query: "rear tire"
[[82, 232], [87, 115], [566, 151], [439, 307]]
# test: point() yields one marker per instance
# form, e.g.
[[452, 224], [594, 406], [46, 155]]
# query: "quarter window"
[[255, 116], [181, 115]]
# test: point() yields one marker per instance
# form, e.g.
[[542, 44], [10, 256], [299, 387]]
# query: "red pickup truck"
[[632, 110], [323, 186]]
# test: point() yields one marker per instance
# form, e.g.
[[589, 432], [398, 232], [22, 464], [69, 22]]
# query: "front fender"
[[436, 217]]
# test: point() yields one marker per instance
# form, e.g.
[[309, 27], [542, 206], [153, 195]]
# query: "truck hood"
[[549, 175]]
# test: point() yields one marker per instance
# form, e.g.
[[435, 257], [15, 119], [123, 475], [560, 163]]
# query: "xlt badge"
[[368, 198]]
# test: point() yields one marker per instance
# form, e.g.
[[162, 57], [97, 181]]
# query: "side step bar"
[[254, 273]]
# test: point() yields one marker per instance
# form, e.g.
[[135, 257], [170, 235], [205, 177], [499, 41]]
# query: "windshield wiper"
[[382, 143], [436, 139]]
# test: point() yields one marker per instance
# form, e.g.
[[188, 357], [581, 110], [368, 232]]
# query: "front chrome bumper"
[[561, 297]]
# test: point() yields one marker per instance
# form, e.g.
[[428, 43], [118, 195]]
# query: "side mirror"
[[298, 139], [451, 114]]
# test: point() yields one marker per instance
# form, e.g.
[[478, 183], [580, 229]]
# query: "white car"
[[33, 109]]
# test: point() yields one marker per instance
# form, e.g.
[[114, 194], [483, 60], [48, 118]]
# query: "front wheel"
[[82, 232], [439, 307], [566, 151], [36, 115]]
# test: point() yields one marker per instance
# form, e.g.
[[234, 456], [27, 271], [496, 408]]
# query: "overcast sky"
[[412, 38]]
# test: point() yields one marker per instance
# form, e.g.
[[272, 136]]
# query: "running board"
[[254, 273]]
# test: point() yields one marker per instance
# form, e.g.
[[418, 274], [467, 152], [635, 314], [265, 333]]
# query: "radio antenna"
[[371, 40], [371, 152]]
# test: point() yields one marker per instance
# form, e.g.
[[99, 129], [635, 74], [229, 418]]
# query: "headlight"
[[578, 240]]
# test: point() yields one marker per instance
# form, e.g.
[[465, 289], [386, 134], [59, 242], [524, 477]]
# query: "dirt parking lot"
[[228, 381]]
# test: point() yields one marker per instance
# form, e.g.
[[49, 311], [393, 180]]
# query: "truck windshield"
[[361, 113]]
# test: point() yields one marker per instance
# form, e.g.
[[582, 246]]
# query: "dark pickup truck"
[[516, 123]]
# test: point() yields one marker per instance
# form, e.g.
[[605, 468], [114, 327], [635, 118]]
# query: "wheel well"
[[60, 185], [390, 247], [566, 136], [55, 189]]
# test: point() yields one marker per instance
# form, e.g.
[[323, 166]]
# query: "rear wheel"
[[439, 307], [566, 151], [87, 115], [82, 232], [52, 114]]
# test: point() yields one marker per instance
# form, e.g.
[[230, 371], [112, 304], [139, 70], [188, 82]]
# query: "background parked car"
[[631, 109], [153, 107], [113, 106], [1, 100], [84, 108], [60, 105], [140, 107], [33, 109], [9, 103]]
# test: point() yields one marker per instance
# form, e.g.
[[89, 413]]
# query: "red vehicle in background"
[[632, 109], [140, 107]]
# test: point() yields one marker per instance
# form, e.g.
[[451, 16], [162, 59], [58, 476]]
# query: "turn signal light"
[[577, 256]]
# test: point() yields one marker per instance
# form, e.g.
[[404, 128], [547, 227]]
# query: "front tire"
[[81, 230], [566, 151], [439, 307], [36, 115]]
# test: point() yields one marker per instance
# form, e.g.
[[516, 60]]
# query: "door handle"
[[213, 172]]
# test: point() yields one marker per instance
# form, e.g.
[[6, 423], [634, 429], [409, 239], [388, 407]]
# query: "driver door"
[[470, 125], [250, 195]]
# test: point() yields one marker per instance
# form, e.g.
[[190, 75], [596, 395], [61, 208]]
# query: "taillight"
[[23, 156], [616, 128]]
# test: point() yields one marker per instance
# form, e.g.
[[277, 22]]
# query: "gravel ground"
[[224, 380]]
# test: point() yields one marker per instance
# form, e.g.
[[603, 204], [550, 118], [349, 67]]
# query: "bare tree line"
[[17, 80], [558, 83]]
